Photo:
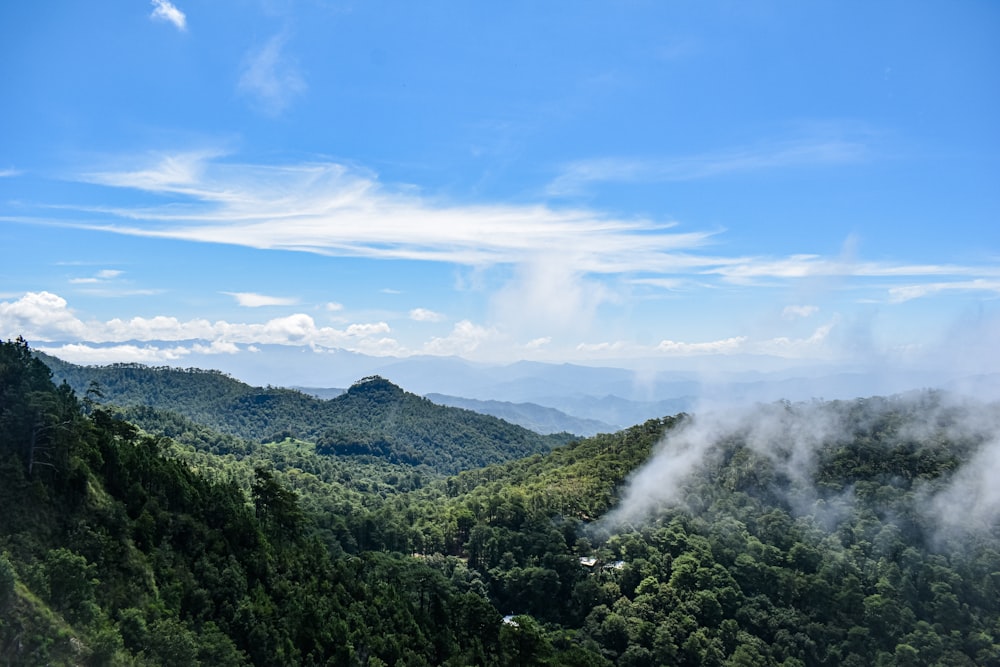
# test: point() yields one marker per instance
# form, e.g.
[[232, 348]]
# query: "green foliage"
[[373, 420], [132, 547], [8, 577]]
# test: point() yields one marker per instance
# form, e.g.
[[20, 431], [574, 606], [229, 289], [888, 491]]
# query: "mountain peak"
[[374, 384]]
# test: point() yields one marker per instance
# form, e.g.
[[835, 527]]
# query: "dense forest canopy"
[[827, 533], [374, 418]]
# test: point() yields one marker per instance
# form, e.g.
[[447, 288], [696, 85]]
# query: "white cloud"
[[216, 347], [41, 316], [330, 209], [46, 317], [334, 307], [101, 276], [464, 338], [909, 292], [424, 315], [253, 300], [796, 348], [270, 77], [725, 346], [800, 311], [662, 283], [813, 346], [9, 173], [578, 176], [91, 355], [550, 296], [164, 10], [366, 330], [545, 271], [538, 343]]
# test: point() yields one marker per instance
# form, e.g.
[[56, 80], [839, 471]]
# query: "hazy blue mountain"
[[323, 393], [619, 395], [531, 416]]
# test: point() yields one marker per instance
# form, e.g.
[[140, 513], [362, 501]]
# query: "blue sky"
[[588, 182]]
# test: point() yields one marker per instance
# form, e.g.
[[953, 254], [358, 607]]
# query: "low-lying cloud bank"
[[796, 439]]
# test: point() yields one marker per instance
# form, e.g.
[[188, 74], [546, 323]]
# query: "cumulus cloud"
[[78, 353], [42, 316], [464, 338], [425, 315], [253, 300], [164, 10], [271, 77]]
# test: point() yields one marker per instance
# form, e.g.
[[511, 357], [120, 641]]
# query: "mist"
[[794, 438]]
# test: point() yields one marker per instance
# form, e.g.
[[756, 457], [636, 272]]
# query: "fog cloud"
[[793, 438]]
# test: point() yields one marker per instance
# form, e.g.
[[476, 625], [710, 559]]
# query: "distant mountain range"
[[600, 396]]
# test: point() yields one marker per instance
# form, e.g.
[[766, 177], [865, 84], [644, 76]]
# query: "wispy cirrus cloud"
[[565, 253], [811, 266], [101, 276], [909, 292], [164, 10], [254, 300], [578, 175], [331, 209], [271, 77]]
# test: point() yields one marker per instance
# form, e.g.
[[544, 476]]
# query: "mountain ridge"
[[372, 418]]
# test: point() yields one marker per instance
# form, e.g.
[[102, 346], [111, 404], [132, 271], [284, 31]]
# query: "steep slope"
[[844, 533], [114, 554]]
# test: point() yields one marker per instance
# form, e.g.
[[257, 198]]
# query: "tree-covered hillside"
[[112, 552], [829, 533], [374, 418], [845, 533]]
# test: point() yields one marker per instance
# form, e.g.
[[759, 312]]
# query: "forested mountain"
[[374, 418], [828, 533], [113, 553]]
